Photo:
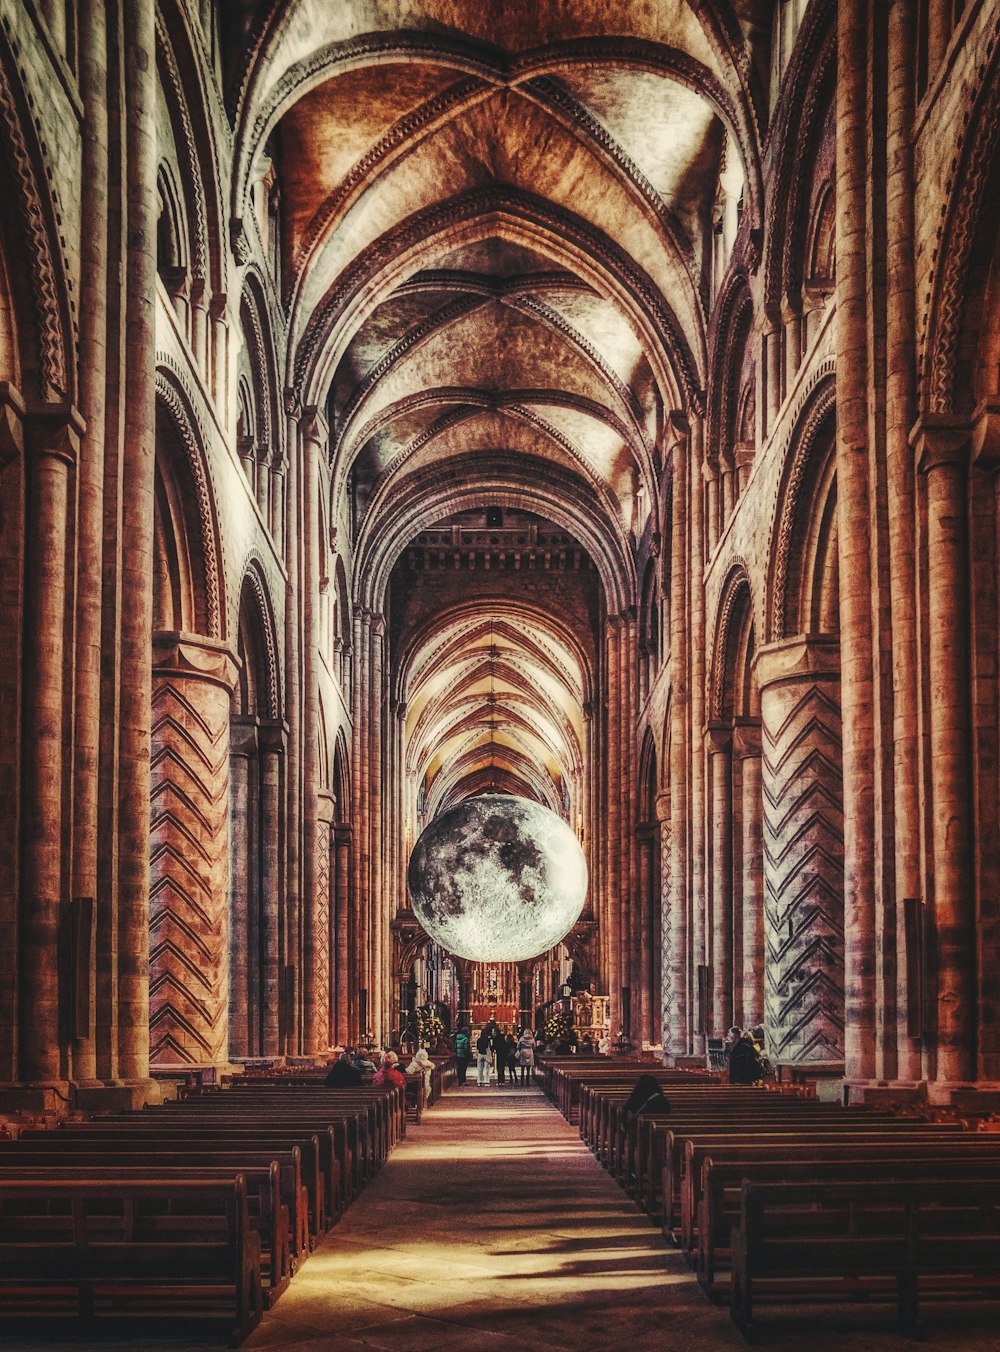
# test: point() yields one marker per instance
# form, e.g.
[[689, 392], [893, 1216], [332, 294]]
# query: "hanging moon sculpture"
[[498, 879]]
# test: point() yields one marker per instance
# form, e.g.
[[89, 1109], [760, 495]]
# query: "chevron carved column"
[[189, 851], [803, 849]]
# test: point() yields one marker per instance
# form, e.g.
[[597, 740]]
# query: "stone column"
[[93, 75], [376, 803], [344, 1029], [677, 1037], [720, 756], [643, 976], [189, 851], [803, 849], [313, 441], [697, 815], [129, 944], [272, 739], [746, 746], [900, 413], [613, 828], [362, 758], [943, 451], [323, 911], [242, 892], [53, 444], [12, 476], [662, 902], [854, 535]]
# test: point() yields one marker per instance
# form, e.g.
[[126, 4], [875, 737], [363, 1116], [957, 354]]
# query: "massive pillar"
[[647, 998], [854, 534], [129, 945], [720, 755], [313, 434], [676, 966], [243, 885], [799, 681], [746, 748], [189, 852], [272, 739], [944, 449], [52, 449], [344, 1028]]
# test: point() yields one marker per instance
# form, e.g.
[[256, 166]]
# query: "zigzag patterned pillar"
[[189, 852], [803, 849]]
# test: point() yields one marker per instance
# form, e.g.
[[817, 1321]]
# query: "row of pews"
[[204, 1206], [772, 1195]]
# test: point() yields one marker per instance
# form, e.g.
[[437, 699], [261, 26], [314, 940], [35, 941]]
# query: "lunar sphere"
[[498, 879]]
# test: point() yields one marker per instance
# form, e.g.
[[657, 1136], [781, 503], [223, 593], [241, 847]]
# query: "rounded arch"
[[649, 783], [796, 135], [966, 253], [733, 692], [407, 506], [803, 573], [258, 110], [522, 218], [258, 688], [189, 551], [258, 337], [185, 89], [41, 321], [341, 780]]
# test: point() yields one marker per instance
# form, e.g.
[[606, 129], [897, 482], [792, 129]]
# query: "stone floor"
[[493, 1229]]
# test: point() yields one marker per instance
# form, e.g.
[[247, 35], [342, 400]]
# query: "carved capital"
[[986, 435], [663, 807], [55, 430], [718, 739], [746, 740], [195, 657], [11, 423], [272, 736], [939, 440], [243, 735], [803, 657], [313, 426]]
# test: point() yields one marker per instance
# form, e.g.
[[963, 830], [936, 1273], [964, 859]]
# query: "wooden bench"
[[806, 1241], [268, 1207], [87, 1248], [721, 1181]]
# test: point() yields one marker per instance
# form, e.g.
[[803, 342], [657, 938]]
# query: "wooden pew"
[[283, 1244], [721, 1183], [90, 1247], [806, 1241], [166, 1152]]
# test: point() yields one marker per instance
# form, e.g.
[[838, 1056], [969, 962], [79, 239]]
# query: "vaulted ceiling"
[[495, 222]]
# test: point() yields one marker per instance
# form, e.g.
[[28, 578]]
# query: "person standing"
[[499, 1048], [483, 1059], [463, 1053], [526, 1056]]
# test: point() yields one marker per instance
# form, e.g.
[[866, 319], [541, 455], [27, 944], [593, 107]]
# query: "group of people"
[[747, 1061], [353, 1066], [497, 1052]]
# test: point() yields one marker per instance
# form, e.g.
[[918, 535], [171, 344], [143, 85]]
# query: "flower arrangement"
[[430, 1029], [556, 1027]]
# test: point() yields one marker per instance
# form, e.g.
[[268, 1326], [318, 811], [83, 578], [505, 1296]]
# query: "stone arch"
[[187, 512], [795, 137], [803, 554], [731, 693], [965, 253], [41, 317], [731, 366]]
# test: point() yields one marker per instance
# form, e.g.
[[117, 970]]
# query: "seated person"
[[646, 1097], [343, 1074], [745, 1063], [422, 1065], [390, 1076]]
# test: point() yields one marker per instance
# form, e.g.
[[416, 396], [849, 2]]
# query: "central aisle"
[[492, 1226]]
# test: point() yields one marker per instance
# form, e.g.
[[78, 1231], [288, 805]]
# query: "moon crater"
[[498, 879]]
